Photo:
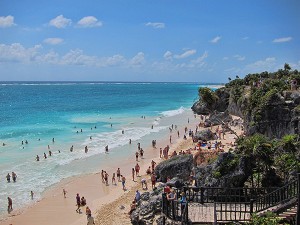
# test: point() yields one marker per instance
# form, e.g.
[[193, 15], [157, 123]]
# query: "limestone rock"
[[205, 135], [178, 166]]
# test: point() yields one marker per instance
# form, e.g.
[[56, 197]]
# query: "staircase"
[[207, 205], [288, 216]]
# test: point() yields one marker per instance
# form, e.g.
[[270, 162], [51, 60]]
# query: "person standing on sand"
[[137, 156], [118, 174], [88, 212], [153, 165], [113, 179], [64, 193], [102, 175], [106, 178], [9, 207], [133, 172], [137, 169], [123, 182], [137, 196], [153, 180], [142, 153], [78, 203]]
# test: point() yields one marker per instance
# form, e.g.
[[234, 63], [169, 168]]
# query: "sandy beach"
[[109, 204]]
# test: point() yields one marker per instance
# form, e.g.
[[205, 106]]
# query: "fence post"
[[187, 213], [173, 209], [215, 214], [251, 206], [163, 220], [163, 209], [298, 206], [201, 195]]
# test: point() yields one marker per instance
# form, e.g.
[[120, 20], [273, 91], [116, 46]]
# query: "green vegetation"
[[272, 159], [208, 96], [264, 88], [227, 166], [269, 219]]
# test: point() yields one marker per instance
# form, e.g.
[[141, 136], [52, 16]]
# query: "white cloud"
[[138, 59], [284, 39], [185, 54], [168, 55], [76, 57], [199, 60], [89, 21], [7, 21], [240, 58], [268, 64], [50, 57], [111, 61], [17, 53], [60, 22], [156, 25], [53, 41], [216, 39]]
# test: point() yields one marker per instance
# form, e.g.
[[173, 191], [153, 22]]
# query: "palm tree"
[[237, 77], [287, 67], [229, 78]]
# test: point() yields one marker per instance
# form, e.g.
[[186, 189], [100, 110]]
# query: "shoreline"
[[53, 205], [104, 201]]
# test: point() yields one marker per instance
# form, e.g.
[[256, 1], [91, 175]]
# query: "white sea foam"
[[112, 139], [173, 112]]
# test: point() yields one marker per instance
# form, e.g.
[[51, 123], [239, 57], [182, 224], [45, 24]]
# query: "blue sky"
[[139, 40]]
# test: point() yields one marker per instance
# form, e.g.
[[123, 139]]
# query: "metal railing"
[[229, 204], [280, 195]]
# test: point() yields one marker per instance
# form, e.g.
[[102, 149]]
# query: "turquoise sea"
[[40, 111]]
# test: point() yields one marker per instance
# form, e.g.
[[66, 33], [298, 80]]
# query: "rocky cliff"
[[270, 108]]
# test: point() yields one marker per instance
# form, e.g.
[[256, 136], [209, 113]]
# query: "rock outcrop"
[[179, 166], [274, 118], [149, 208], [205, 135], [226, 171]]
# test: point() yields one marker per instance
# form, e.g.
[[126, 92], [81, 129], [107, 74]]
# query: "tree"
[[287, 67], [208, 96]]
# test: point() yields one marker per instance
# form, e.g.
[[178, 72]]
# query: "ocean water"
[[40, 111]]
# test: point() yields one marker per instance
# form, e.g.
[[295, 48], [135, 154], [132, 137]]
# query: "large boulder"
[[205, 135], [228, 170], [176, 182], [200, 108], [178, 166], [295, 96], [218, 118], [148, 208]]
